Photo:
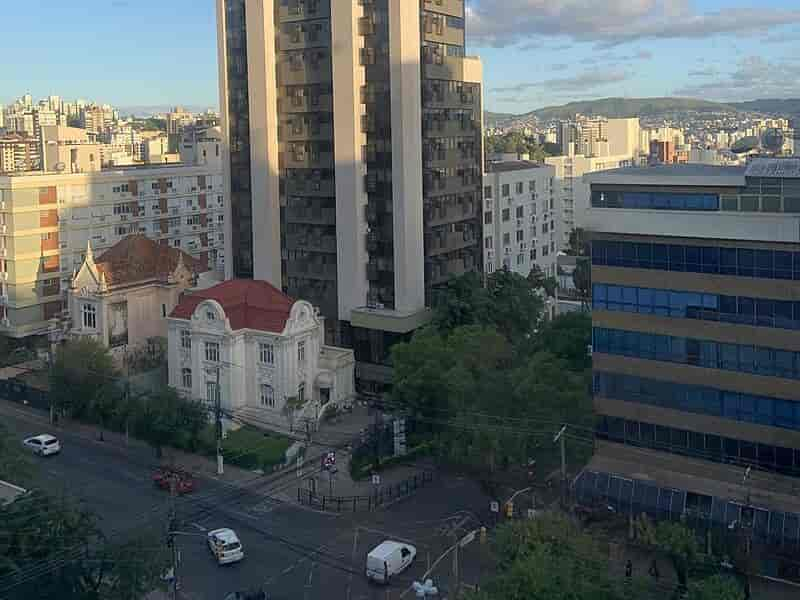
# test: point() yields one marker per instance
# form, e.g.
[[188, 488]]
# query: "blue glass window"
[[644, 254], [746, 258], [783, 265], [661, 257], [764, 264], [727, 261], [677, 261], [710, 260]]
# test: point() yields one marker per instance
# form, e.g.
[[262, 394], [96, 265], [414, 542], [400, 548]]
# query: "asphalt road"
[[293, 552]]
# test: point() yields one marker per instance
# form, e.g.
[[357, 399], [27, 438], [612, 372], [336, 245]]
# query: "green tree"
[[582, 278], [463, 301], [548, 559], [716, 587], [568, 337], [14, 465], [515, 305], [675, 540], [82, 379], [539, 281], [578, 244]]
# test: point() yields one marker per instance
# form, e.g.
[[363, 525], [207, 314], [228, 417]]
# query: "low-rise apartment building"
[[47, 220], [696, 350], [572, 192], [520, 225]]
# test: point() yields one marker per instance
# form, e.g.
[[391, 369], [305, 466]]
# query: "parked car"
[[43, 445], [184, 481], [387, 559], [225, 546]]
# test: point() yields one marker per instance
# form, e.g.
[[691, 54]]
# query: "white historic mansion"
[[266, 351]]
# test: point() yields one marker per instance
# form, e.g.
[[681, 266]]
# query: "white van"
[[388, 559]]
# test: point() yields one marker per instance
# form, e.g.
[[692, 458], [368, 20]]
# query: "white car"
[[43, 445], [225, 546]]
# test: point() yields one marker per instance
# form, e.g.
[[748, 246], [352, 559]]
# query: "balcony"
[[311, 243], [449, 242], [307, 160], [310, 187], [307, 131], [306, 74], [311, 270], [298, 10], [305, 103], [311, 216]]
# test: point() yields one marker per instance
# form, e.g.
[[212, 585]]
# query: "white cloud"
[[584, 81], [501, 23], [752, 78]]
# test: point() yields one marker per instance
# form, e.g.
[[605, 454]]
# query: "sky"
[[535, 52]]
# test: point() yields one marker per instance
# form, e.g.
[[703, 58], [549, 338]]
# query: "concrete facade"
[[521, 228], [275, 377], [47, 220], [696, 344], [333, 195]]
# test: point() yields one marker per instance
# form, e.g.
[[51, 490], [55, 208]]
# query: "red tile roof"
[[138, 258], [248, 304]]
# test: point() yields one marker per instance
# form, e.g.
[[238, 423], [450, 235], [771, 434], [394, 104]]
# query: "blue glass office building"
[[696, 340]]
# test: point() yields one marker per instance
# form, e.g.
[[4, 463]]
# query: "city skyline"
[[708, 49]]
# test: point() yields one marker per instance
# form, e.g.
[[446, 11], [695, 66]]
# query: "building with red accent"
[[263, 352]]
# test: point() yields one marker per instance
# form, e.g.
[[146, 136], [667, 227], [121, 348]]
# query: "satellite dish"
[[60, 167], [772, 140]]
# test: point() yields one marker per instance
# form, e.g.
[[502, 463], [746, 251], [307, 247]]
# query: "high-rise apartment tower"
[[354, 164]]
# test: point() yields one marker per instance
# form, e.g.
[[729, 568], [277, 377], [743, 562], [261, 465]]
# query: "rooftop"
[[138, 258], [774, 167], [248, 304], [512, 165], [674, 174]]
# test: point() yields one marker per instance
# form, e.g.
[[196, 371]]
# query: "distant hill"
[[149, 111], [643, 107]]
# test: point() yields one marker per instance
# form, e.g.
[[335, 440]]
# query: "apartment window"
[[520, 212], [545, 250], [487, 243], [506, 214], [532, 185], [266, 354], [301, 393], [506, 190], [220, 218], [186, 339], [186, 378], [211, 315], [487, 191], [533, 254], [176, 243], [267, 396], [211, 392], [519, 188], [520, 259], [301, 352], [506, 239], [487, 218], [89, 316], [520, 235], [212, 351]]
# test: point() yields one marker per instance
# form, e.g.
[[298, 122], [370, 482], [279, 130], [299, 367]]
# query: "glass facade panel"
[[741, 262]]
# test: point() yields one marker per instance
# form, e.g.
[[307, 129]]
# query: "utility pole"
[[218, 411], [355, 550], [173, 484], [561, 437]]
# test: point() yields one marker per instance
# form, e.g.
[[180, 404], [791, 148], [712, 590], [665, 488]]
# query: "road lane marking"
[[198, 527]]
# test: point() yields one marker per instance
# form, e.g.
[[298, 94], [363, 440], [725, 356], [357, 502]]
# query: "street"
[[292, 551]]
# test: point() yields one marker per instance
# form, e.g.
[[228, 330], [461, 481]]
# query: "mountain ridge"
[[639, 107]]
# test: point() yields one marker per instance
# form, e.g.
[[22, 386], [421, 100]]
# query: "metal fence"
[[22, 393], [380, 497]]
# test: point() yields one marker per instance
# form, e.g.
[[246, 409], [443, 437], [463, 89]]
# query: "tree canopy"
[[489, 360], [548, 558]]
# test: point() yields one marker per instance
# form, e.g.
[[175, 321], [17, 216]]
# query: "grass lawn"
[[246, 447]]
